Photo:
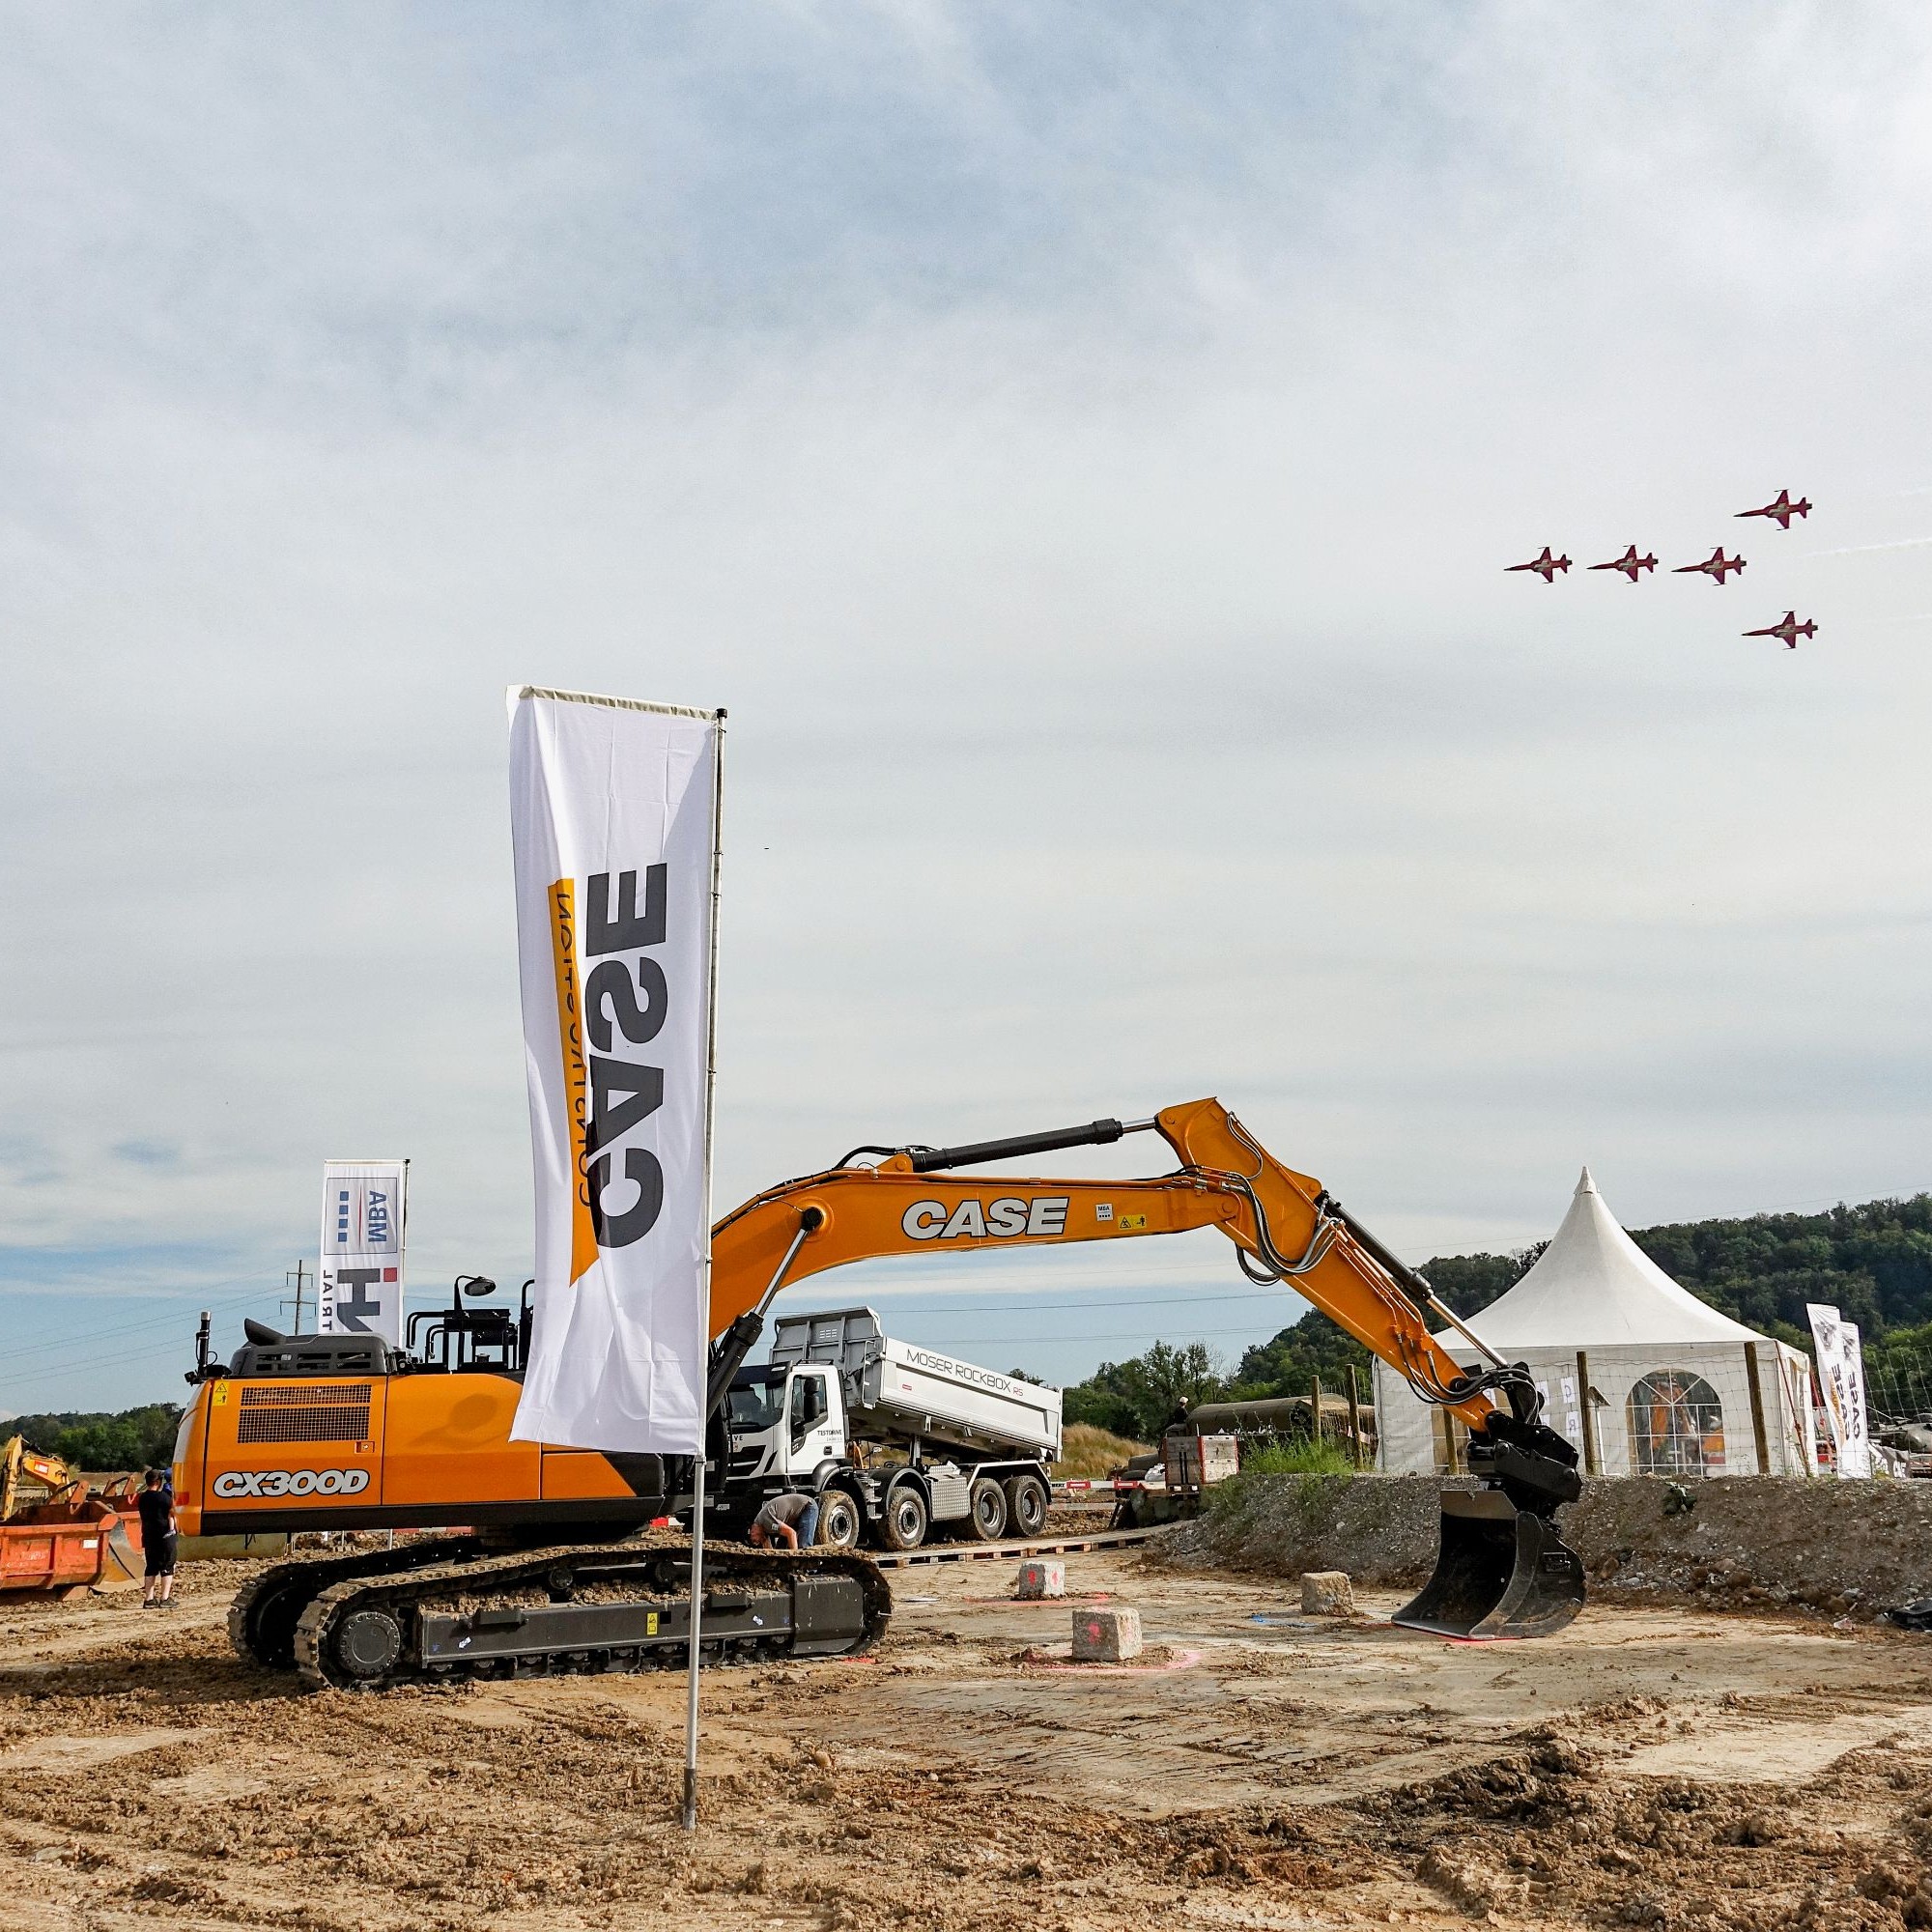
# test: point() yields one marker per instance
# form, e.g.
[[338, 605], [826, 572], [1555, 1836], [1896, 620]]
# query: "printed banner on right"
[[1841, 1376]]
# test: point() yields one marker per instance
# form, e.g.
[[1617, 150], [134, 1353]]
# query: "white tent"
[[1642, 1377]]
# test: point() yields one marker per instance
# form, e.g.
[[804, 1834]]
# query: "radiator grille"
[[337, 1413]]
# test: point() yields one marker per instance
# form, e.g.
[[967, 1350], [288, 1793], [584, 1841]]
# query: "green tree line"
[[1873, 1263], [135, 1439]]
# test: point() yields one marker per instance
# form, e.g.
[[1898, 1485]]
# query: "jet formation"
[[1716, 566]]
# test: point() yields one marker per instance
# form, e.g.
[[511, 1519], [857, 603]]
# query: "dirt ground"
[[1647, 1766]]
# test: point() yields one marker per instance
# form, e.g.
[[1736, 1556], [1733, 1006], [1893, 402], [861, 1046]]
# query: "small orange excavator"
[[552, 1571]]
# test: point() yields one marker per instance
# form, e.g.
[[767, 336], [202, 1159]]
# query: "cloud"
[[1081, 450]]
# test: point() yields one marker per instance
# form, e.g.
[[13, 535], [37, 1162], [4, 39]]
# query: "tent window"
[[1676, 1426]]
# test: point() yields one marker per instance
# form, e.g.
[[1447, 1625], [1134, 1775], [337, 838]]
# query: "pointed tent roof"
[[1594, 1288]]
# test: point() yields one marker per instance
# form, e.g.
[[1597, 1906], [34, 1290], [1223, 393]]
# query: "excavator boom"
[[1504, 1570]]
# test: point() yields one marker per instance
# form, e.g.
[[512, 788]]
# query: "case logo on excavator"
[[234, 1483], [977, 1220]]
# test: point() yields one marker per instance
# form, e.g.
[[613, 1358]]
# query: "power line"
[[90, 1357], [172, 1316]]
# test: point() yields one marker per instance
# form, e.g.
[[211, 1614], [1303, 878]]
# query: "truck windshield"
[[751, 1406]]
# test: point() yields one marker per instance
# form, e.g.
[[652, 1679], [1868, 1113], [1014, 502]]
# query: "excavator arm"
[[1504, 1570]]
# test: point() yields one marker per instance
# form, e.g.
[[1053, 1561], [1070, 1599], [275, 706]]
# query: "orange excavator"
[[556, 1568]]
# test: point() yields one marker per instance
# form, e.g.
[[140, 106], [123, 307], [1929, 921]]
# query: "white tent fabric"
[[1594, 1288], [1641, 1376]]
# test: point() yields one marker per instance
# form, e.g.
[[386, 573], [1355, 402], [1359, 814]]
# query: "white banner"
[[614, 810], [364, 1219], [1841, 1376]]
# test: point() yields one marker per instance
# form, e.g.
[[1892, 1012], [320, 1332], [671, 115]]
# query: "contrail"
[[1864, 550]]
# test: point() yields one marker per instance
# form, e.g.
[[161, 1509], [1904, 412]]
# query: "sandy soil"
[[1653, 1767]]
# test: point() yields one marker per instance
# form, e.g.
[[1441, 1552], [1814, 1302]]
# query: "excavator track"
[[586, 1609], [262, 1619]]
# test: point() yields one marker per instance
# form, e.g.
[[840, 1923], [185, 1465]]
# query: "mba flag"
[[613, 812], [359, 1279]]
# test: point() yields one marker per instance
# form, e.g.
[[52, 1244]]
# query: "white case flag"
[[364, 1215], [614, 815]]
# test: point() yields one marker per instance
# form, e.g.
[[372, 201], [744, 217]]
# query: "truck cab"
[[787, 1427]]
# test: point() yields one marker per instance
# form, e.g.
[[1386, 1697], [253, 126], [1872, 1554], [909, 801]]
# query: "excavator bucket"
[[120, 1562], [1500, 1571]]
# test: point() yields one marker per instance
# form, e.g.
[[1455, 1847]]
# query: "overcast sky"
[[1080, 446]]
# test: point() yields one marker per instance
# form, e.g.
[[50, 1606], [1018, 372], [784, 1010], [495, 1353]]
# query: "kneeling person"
[[790, 1519]]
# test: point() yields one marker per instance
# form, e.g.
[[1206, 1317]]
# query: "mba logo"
[[364, 1219]]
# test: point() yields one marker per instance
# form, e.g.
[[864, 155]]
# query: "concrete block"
[[1041, 1576], [1327, 1593], [1106, 1636]]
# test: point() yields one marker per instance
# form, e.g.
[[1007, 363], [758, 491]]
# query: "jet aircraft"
[[1714, 565], [1546, 565], [1784, 509], [1629, 563], [1790, 631]]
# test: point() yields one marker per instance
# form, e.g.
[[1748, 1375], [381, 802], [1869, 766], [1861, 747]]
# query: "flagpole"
[[704, 1305]]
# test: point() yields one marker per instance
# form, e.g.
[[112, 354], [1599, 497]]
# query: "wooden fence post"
[[1760, 1436], [1592, 1463]]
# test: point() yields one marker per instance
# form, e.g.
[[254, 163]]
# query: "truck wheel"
[[837, 1520], [1026, 1505], [987, 1511], [903, 1524]]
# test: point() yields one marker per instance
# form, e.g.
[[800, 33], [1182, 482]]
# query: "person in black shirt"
[[157, 1504]]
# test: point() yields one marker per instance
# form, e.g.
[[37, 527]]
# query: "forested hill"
[[1873, 1263]]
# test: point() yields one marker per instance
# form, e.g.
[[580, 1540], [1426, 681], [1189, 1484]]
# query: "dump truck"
[[897, 1442]]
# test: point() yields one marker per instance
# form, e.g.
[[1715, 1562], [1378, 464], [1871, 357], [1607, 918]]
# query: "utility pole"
[[296, 1278]]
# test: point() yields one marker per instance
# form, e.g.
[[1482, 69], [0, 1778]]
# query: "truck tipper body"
[[897, 1442]]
